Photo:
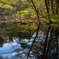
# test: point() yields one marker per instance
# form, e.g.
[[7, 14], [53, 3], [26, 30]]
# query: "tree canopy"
[[29, 9]]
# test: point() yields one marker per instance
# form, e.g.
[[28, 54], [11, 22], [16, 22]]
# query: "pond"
[[30, 41]]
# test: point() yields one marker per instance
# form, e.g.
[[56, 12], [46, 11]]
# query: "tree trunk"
[[57, 2], [47, 8], [37, 12], [52, 7]]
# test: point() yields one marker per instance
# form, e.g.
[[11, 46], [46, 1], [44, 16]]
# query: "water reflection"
[[1, 42], [29, 44], [49, 49], [13, 49]]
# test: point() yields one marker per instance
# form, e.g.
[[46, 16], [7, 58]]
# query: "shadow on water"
[[23, 42]]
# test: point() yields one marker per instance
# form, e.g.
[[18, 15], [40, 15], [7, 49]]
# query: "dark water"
[[29, 41]]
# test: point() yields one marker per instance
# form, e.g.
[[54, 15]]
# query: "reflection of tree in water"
[[33, 41], [50, 46], [44, 44], [1, 42]]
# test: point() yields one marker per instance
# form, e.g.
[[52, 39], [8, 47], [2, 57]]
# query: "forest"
[[15, 10], [29, 29]]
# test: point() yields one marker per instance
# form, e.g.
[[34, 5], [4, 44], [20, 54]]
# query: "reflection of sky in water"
[[9, 47], [11, 56], [8, 56], [8, 50]]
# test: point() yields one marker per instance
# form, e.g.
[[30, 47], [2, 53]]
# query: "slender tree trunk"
[[57, 2], [37, 12], [52, 7], [47, 8]]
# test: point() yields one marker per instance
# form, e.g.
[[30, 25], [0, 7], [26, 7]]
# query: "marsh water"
[[30, 41]]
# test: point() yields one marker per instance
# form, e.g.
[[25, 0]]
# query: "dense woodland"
[[29, 10], [29, 29]]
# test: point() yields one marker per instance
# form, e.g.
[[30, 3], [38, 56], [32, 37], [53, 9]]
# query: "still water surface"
[[20, 41]]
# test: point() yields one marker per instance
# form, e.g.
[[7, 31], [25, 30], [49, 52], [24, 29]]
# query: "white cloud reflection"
[[8, 55]]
